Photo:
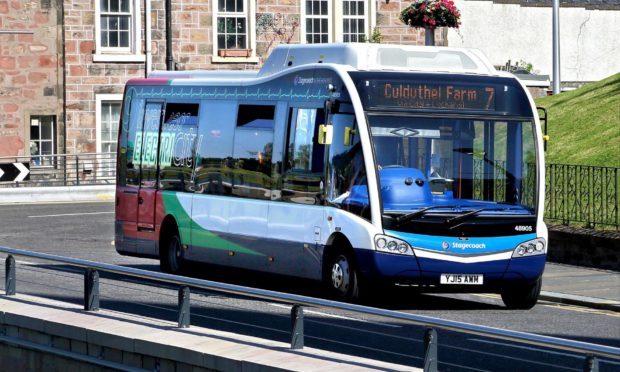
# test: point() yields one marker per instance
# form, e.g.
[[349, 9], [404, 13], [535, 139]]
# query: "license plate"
[[467, 279]]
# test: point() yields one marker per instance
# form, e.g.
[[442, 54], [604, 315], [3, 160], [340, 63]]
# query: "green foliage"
[[375, 37], [584, 124]]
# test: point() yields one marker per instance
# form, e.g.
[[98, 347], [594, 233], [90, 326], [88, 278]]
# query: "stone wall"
[[584, 247], [30, 70], [86, 78]]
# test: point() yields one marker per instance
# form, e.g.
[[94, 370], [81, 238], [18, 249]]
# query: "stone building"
[[63, 64], [31, 77]]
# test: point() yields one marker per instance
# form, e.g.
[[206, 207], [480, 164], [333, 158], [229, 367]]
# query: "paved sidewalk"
[[581, 286], [132, 342]]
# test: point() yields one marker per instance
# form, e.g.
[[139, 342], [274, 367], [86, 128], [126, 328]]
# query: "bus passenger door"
[[128, 178], [147, 239], [299, 193]]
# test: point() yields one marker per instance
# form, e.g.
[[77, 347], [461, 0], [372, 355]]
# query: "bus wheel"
[[522, 298], [171, 260], [343, 278]]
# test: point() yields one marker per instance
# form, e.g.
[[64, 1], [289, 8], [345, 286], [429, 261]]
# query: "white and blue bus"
[[358, 165]]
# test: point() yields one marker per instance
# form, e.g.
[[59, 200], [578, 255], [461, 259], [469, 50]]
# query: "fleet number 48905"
[[523, 228]]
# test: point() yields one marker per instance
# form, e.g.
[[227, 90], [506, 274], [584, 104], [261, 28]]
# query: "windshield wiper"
[[406, 218], [464, 216]]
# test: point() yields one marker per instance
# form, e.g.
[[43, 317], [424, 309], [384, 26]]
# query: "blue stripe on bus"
[[462, 246]]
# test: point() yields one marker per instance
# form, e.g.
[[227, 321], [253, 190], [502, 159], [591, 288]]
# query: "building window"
[[107, 122], [232, 27], [42, 139], [317, 20], [234, 31], [108, 118], [115, 23], [108, 134], [325, 21], [117, 31], [354, 21]]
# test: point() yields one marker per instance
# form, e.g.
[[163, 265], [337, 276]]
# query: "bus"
[[361, 166]]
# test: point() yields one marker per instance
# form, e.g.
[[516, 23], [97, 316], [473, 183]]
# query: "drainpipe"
[[169, 66], [64, 88], [147, 38]]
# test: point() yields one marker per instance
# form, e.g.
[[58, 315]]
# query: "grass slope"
[[584, 124]]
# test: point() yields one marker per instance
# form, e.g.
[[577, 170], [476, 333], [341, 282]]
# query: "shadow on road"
[[399, 299]]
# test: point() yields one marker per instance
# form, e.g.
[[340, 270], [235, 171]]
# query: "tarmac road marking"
[[581, 309], [69, 214]]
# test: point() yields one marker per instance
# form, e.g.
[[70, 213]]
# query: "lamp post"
[[556, 46]]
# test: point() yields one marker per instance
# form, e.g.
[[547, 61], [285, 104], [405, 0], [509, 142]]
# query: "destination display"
[[420, 95]]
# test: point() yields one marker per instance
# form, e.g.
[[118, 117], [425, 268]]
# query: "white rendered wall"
[[589, 39]]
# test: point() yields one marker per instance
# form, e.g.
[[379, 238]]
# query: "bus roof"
[[205, 74], [358, 56], [377, 57]]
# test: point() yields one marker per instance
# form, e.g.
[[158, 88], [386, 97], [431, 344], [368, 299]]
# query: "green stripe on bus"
[[202, 238]]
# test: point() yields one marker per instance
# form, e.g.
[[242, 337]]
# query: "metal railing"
[[582, 194], [590, 351], [65, 170]]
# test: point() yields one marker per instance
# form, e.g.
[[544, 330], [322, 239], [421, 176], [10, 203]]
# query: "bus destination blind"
[[420, 95]]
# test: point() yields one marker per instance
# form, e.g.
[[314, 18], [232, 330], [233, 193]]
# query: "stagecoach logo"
[[311, 80], [446, 245]]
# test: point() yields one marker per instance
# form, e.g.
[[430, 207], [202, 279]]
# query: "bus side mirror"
[[348, 136], [325, 134]]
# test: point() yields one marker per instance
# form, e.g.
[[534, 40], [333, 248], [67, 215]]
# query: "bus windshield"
[[448, 165]]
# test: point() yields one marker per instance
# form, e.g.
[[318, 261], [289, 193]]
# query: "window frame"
[[335, 19], [357, 17], [250, 14], [101, 99], [133, 53], [305, 17], [52, 140]]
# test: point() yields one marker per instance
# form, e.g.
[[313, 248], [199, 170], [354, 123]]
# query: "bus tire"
[[342, 278], [171, 258], [522, 298]]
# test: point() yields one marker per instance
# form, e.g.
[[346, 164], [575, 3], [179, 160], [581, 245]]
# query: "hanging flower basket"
[[430, 14]]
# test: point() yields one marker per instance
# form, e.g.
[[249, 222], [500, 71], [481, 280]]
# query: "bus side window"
[[347, 183], [134, 143], [179, 138], [304, 162], [214, 164], [252, 151]]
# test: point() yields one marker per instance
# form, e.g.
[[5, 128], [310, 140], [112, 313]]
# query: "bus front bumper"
[[426, 273]]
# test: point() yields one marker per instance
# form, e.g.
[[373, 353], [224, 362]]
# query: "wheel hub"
[[340, 275]]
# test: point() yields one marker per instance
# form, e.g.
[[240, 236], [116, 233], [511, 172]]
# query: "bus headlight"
[[388, 244], [530, 248]]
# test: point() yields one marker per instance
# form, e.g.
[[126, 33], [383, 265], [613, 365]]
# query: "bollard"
[[91, 290], [591, 364], [297, 325], [184, 311], [9, 279], [430, 350]]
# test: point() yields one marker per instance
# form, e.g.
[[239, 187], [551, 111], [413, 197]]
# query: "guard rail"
[[590, 351]]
